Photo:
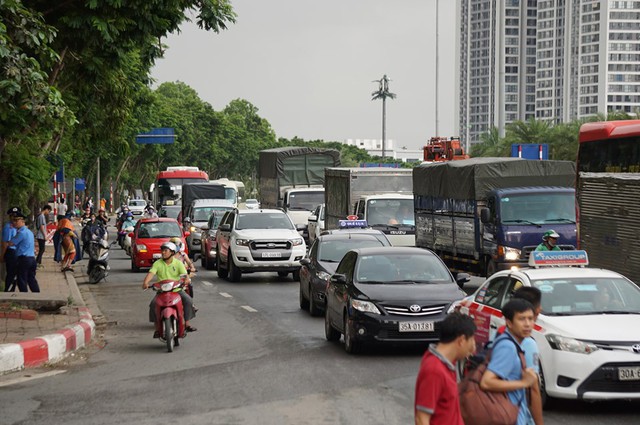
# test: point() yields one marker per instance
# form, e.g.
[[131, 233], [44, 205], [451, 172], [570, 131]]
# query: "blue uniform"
[[505, 363], [8, 232], [26, 264]]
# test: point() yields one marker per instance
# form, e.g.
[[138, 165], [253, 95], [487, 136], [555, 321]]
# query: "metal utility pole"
[[98, 185], [437, 63], [383, 93]]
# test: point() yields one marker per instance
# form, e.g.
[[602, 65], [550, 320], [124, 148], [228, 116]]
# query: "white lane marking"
[[204, 282], [30, 378], [250, 309], [226, 295]]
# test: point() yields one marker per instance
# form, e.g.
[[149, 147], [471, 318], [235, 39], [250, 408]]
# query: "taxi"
[[588, 332]]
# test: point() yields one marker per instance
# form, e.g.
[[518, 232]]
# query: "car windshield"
[[203, 213], [305, 200], [332, 251], [159, 229], [137, 203], [401, 268], [263, 221], [581, 296], [251, 201], [171, 212]]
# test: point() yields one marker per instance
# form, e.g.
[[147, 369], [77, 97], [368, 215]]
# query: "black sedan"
[[389, 294], [324, 255]]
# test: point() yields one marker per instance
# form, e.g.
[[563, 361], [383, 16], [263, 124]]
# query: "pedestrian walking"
[[62, 209], [24, 242], [436, 398], [68, 243], [41, 233], [9, 256], [507, 371]]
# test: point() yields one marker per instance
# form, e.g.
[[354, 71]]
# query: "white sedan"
[[588, 332]]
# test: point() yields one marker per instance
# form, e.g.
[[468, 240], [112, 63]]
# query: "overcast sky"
[[308, 66]]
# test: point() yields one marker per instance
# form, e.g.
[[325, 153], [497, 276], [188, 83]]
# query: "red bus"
[[608, 195], [168, 185]]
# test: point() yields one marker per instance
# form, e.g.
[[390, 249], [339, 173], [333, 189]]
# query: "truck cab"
[[392, 213], [299, 203]]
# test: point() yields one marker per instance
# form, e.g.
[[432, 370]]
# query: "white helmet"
[[170, 246]]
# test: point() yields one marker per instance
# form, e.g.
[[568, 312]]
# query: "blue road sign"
[[158, 136], [80, 185]]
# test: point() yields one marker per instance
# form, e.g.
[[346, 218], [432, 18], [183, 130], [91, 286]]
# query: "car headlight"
[[571, 345], [192, 229], [243, 242], [510, 254], [453, 307], [141, 248], [297, 242], [323, 275], [366, 306]]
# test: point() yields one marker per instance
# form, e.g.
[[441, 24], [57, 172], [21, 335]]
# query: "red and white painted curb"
[[48, 348]]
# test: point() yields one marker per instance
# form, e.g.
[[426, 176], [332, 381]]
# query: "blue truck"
[[482, 215]]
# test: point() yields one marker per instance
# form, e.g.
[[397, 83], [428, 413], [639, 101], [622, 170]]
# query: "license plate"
[[416, 326], [156, 256], [271, 255], [629, 373]]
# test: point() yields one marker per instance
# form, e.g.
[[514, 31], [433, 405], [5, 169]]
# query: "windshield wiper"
[[566, 220], [522, 221], [299, 209], [411, 281], [371, 281], [329, 261]]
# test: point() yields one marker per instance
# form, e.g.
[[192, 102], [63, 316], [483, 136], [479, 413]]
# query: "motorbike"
[[98, 268], [170, 323], [126, 243]]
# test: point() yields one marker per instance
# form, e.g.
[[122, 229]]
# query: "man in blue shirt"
[[505, 371], [8, 254], [25, 251]]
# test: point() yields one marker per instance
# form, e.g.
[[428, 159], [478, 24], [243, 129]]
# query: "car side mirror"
[[485, 215], [313, 218], [130, 235], [225, 227], [301, 227], [462, 278], [187, 233], [339, 279], [305, 261]]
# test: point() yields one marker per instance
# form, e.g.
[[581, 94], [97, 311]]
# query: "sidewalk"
[[42, 328]]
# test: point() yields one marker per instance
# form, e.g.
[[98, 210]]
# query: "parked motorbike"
[[170, 323], [98, 268]]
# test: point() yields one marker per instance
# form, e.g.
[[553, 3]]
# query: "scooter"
[[126, 243], [98, 268], [170, 323]]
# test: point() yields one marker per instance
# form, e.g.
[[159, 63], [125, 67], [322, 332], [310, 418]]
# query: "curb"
[[53, 347]]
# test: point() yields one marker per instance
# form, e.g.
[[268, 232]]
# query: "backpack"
[[479, 407]]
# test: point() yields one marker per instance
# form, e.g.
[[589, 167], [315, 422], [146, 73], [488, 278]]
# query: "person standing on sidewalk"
[[436, 399], [9, 252], [25, 251], [62, 209], [41, 235]]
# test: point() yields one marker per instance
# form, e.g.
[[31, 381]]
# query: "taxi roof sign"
[[348, 224], [558, 258]]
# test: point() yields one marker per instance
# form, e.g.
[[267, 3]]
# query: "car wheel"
[[222, 272], [134, 266], [313, 307], [283, 274], [234, 273], [296, 275], [329, 331], [547, 402], [351, 346], [304, 303]]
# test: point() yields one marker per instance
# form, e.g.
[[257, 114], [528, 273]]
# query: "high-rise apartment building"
[[556, 60]]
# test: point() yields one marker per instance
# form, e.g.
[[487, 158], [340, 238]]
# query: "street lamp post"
[[383, 93]]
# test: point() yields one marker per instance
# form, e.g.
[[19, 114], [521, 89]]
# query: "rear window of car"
[[162, 229]]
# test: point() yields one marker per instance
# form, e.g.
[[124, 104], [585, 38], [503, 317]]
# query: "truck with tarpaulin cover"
[[487, 214], [193, 191], [378, 195], [292, 178]]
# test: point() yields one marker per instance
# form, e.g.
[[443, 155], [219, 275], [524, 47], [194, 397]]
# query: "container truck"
[[382, 196], [482, 215], [292, 178]]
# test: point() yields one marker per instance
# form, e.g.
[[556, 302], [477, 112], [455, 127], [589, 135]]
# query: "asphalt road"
[[255, 359]]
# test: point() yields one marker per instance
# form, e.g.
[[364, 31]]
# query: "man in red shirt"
[[436, 399]]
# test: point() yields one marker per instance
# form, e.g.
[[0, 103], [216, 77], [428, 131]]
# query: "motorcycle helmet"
[[170, 246], [550, 234], [129, 215], [178, 242]]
